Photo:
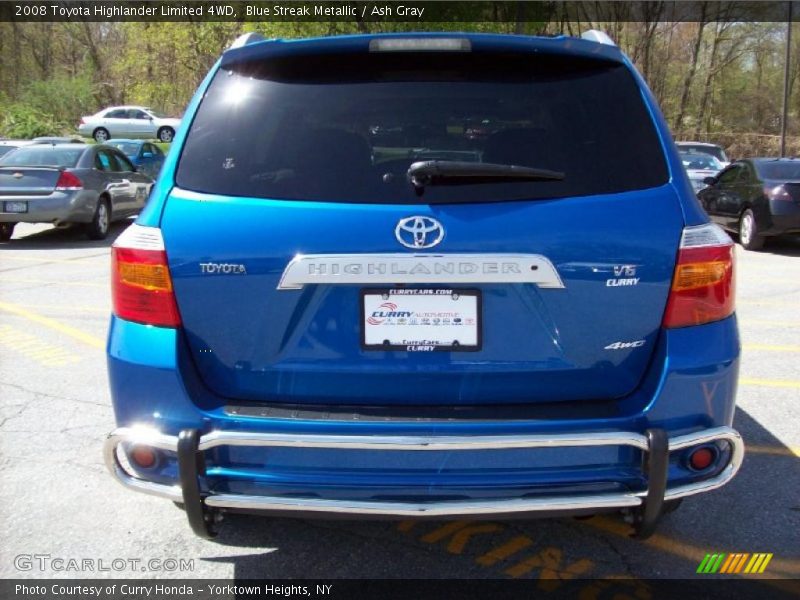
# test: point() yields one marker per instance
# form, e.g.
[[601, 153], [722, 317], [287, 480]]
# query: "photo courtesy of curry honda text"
[[341, 300]]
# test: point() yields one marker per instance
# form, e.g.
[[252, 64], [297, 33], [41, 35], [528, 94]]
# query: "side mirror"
[[710, 180], [147, 155]]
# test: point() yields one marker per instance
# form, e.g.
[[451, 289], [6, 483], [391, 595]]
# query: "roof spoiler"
[[595, 35], [246, 39]]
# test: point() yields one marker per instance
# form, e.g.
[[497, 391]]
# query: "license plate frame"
[[15, 206], [368, 342]]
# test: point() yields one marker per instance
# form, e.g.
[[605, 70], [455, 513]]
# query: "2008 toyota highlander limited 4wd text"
[[423, 276]]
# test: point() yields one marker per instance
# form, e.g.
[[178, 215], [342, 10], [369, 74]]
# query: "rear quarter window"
[[777, 170], [346, 129]]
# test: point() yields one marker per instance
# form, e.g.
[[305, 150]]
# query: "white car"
[[698, 166], [128, 122], [713, 149]]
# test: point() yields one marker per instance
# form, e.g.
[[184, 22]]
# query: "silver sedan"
[[69, 183]]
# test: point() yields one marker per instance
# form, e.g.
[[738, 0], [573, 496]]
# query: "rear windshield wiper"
[[445, 172]]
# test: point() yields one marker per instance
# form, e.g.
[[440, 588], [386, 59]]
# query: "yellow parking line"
[[46, 282], [776, 383], [53, 324], [683, 550], [774, 450], [27, 344], [501, 553], [771, 347], [70, 307]]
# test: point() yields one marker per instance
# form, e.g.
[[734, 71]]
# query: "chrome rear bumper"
[[450, 508]]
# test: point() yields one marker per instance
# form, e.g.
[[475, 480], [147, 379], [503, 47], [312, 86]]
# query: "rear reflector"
[[143, 456], [141, 286], [703, 283], [68, 182], [702, 458]]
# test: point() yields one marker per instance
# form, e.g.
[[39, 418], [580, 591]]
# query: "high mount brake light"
[[703, 283], [420, 45], [141, 285]]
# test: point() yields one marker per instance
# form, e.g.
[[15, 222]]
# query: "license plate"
[[428, 320], [15, 207]]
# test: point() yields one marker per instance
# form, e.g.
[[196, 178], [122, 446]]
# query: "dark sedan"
[[69, 183], [755, 198]]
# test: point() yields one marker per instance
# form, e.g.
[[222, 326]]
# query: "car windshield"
[[714, 151], [779, 170], [700, 161], [333, 130], [157, 113], [128, 148], [42, 156], [6, 149]]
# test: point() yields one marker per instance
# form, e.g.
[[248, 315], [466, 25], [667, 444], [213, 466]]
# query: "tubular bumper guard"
[[190, 446]]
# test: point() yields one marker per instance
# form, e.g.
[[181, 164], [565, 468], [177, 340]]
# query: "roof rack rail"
[[246, 39], [595, 35]]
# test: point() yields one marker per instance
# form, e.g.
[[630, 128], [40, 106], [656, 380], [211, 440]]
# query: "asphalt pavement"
[[58, 501]]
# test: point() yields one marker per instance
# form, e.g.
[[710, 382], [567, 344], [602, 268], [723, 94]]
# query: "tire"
[[98, 228], [749, 237], [101, 135], [6, 231], [165, 135]]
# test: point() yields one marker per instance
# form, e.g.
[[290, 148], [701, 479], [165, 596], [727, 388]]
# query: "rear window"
[[779, 170], [696, 160], [38, 156], [714, 151], [128, 148], [347, 128]]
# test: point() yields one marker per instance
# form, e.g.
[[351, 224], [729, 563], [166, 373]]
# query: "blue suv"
[[341, 300]]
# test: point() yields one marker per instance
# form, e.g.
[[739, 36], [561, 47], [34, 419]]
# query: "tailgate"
[[28, 181], [591, 339]]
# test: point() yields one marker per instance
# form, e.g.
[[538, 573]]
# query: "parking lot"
[[57, 499]]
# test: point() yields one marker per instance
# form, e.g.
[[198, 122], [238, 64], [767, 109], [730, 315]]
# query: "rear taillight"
[[778, 192], [703, 284], [68, 182], [141, 286]]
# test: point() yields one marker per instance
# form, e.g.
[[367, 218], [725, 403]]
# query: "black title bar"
[[395, 589], [426, 11]]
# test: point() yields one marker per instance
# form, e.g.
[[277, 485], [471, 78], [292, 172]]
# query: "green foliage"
[[47, 107], [53, 73], [20, 120], [64, 98]]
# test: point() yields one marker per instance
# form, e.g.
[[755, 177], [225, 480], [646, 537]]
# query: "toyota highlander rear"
[[421, 276]]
